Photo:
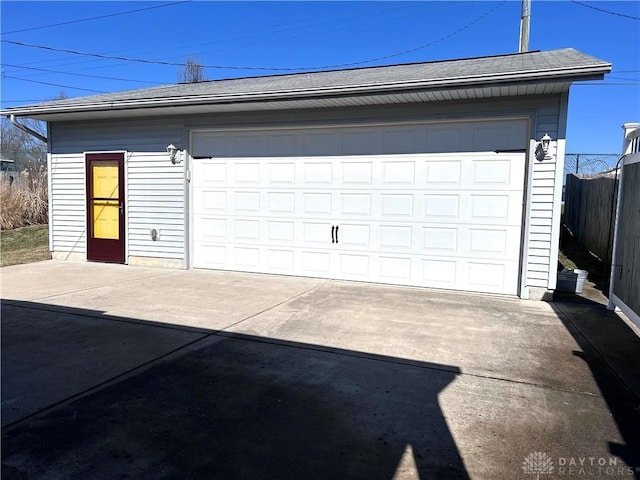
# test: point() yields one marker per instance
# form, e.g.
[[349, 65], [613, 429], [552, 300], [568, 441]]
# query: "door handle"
[[333, 229], [337, 233]]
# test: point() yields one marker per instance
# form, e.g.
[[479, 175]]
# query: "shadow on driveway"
[[611, 350], [121, 398]]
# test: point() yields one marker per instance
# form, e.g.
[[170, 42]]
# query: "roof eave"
[[515, 78]]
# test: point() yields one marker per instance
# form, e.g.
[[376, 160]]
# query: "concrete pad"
[[48, 357], [196, 298], [47, 279], [301, 378], [244, 408], [497, 337]]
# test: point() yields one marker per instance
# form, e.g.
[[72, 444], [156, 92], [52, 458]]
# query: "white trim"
[[631, 159], [557, 213], [633, 316], [470, 118], [49, 192], [557, 192], [186, 184], [524, 258]]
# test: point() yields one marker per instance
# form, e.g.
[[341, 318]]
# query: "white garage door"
[[364, 203]]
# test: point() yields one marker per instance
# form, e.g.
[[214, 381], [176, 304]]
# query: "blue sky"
[[292, 35]]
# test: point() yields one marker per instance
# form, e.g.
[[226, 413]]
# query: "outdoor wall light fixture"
[[542, 151], [174, 154]]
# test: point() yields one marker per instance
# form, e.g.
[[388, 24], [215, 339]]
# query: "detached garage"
[[442, 174]]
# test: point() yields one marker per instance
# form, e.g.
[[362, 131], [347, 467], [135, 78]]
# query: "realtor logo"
[[537, 463]]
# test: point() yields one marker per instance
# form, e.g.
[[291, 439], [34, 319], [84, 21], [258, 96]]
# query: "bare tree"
[[192, 72]]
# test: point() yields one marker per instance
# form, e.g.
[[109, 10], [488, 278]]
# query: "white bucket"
[[581, 277], [571, 280]]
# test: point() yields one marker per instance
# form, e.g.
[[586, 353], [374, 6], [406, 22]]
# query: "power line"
[[81, 74], [95, 18], [54, 84], [137, 60], [605, 11], [226, 41], [445, 37], [236, 67], [23, 100]]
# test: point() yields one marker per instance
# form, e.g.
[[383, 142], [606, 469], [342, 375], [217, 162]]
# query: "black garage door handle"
[[333, 229], [336, 233]]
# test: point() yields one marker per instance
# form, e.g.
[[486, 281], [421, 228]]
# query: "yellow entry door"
[[105, 202], [105, 207]]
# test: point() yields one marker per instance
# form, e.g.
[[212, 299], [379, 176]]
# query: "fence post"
[[577, 163]]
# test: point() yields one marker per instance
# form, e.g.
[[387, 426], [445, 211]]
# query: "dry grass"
[[24, 245], [24, 202]]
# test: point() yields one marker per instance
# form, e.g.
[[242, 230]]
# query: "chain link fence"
[[590, 163]]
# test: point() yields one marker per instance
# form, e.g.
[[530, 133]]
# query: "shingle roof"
[[556, 65]]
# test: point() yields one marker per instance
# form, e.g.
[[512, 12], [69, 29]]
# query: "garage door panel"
[[444, 220], [210, 229], [398, 173], [281, 203], [436, 240], [245, 174], [396, 237], [353, 266], [282, 174], [281, 232], [492, 172], [441, 207], [350, 235], [442, 172], [315, 234], [357, 173], [318, 173], [354, 205], [395, 269], [315, 263], [397, 205], [280, 260], [317, 204]]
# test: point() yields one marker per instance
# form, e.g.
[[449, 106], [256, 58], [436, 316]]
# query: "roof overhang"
[[446, 88]]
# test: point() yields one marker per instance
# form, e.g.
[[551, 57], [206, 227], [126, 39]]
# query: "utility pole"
[[524, 26]]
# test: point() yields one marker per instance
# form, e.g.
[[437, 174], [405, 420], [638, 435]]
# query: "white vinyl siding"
[[68, 205], [155, 195], [542, 197], [155, 200]]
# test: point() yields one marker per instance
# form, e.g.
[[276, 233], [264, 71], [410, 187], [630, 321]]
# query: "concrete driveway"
[[111, 371]]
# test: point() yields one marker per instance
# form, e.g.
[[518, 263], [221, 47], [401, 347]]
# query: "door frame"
[[119, 156]]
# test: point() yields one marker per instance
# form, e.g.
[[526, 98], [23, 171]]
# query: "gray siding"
[[155, 193], [156, 187], [68, 206]]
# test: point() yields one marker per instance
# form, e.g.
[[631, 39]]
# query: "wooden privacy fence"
[[589, 209], [625, 272]]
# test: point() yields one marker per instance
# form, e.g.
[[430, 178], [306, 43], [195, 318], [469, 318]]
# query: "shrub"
[[24, 201]]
